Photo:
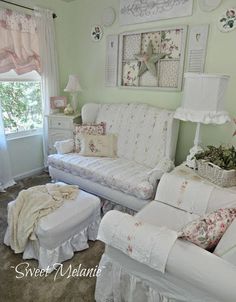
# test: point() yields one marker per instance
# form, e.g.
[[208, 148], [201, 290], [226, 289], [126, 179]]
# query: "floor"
[[42, 289]]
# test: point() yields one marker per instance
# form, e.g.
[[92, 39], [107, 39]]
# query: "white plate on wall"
[[96, 33], [209, 5], [227, 21], [108, 16]]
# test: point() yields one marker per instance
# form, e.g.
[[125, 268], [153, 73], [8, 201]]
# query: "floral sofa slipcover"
[[147, 138]]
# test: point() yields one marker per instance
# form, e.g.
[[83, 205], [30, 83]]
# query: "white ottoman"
[[64, 231]]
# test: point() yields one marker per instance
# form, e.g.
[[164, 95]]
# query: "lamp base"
[[74, 101], [190, 160]]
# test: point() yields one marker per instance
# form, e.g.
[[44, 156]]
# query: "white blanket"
[[30, 206], [187, 193], [143, 242]]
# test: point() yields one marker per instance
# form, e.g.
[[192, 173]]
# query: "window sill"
[[23, 134]]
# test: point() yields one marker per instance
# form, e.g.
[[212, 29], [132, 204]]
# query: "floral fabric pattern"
[[116, 173], [207, 231], [98, 145], [141, 130], [97, 129], [19, 44], [130, 73]]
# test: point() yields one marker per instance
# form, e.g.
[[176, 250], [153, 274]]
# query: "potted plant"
[[218, 164]]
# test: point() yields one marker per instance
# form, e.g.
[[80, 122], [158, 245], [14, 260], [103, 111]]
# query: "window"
[[21, 104]]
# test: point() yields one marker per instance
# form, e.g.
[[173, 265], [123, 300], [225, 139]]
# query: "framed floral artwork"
[[152, 58]]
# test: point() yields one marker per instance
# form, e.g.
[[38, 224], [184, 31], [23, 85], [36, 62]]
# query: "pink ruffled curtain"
[[19, 46]]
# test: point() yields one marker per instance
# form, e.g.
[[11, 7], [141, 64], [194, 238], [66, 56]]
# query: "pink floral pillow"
[[96, 129], [206, 232]]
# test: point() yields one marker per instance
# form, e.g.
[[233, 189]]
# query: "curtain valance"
[[19, 46]]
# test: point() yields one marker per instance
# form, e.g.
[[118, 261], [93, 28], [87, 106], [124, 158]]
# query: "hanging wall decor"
[[96, 33], [208, 5], [198, 35], [152, 58], [111, 66], [227, 21], [108, 16], [141, 11]]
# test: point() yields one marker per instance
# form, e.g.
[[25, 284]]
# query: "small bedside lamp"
[[73, 86], [203, 102]]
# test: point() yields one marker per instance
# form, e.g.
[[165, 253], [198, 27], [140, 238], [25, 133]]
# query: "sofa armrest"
[[89, 113], [165, 165], [147, 243], [65, 146], [206, 271]]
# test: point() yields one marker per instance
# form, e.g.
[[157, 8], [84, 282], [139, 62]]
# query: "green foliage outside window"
[[21, 105]]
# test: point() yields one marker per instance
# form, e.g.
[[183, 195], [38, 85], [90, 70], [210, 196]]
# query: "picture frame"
[[58, 102], [169, 69]]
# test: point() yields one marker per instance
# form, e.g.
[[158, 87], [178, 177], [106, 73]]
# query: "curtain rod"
[[26, 7]]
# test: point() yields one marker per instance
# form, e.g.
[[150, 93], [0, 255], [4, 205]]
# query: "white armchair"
[[192, 274]]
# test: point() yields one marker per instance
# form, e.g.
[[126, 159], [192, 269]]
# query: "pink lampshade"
[[73, 84]]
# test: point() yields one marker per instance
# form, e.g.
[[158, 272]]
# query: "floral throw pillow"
[[96, 129], [207, 231], [98, 145]]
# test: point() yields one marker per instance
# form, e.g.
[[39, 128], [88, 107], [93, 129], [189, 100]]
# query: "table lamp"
[[73, 86], [203, 102]]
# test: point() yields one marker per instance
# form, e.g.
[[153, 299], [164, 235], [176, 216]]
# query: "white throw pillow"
[[98, 145], [226, 248], [66, 146]]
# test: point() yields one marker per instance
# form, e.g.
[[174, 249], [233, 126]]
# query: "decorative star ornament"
[[148, 60]]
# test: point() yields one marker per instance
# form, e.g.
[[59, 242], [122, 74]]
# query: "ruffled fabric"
[[49, 259], [115, 284], [108, 205], [205, 117]]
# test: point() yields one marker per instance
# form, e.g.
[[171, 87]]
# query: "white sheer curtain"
[[49, 64], [5, 166]]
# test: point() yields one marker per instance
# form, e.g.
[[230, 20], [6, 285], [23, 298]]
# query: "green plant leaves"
[[222, 156]]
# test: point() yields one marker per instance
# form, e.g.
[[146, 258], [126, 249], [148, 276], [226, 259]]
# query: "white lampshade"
[[73, 84], [203, 99]]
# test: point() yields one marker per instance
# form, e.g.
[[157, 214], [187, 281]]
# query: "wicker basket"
[[217, 175]]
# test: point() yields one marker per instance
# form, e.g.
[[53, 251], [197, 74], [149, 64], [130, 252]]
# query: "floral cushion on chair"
[[97, 129], [207, 231]]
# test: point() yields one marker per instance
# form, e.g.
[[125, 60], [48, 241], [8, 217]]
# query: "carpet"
[[53, 287]]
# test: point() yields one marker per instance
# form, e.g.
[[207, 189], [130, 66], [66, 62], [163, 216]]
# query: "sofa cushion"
[[116, 173], [161, 214], [141, 129]]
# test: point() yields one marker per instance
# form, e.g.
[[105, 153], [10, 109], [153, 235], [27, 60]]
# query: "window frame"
[[29, 77]]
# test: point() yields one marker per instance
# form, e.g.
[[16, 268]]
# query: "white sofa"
[[192, 274], [147, 138]]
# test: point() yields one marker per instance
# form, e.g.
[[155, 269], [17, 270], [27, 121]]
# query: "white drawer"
[[59, 123]]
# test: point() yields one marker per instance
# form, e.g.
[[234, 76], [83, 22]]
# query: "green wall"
[[78, 54], [89, 60]]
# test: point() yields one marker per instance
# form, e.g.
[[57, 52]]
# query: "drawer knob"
[[59, 124]]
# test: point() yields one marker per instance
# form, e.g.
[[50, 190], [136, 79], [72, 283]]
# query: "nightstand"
[[60, 127]]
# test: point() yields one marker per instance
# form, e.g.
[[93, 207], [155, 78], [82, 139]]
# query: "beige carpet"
[[43, 289]]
